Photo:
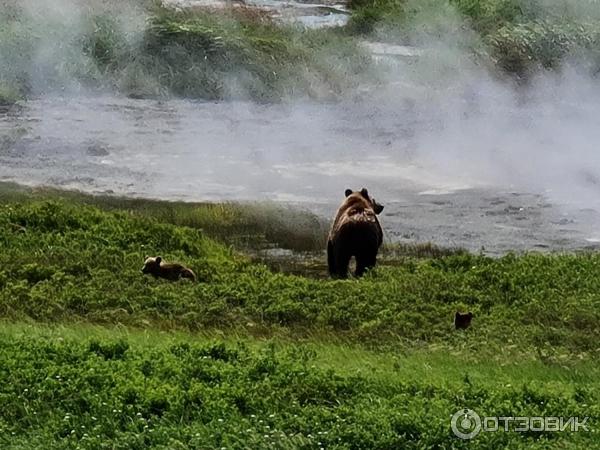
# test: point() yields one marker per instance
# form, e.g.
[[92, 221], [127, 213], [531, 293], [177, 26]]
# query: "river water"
[[307, 13], [304, 154]]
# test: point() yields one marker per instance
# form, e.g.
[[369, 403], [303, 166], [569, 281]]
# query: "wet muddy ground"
[[306, 13], [303, 154]]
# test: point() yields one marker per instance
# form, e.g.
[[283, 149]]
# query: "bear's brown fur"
[[156, 267], [462, 321], [355, 232]]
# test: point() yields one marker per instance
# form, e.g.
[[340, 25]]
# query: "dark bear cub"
[[462, 321], [156, 267], [355, 232]]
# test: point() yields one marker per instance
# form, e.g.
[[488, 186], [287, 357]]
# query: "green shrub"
[[524, 47], [67, 392]]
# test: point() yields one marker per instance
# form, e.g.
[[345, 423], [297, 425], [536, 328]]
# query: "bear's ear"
[[364, 193], [158, 259], [470, 314], [146, 258], [377, 207], [348, 192]]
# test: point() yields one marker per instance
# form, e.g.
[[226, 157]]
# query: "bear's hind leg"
[[364, 263], [342, 261]]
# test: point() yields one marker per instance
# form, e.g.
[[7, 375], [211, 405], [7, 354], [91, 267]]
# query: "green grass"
[[95, 355], [520, 37], [391, 16], [249, 226], [93, 388], [369, 15], [525, 48], [272, 61], [9, 95], [68, 261], [206, 54], [150, 51]]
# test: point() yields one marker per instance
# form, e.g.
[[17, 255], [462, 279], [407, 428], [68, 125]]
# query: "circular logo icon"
[[466, 424]]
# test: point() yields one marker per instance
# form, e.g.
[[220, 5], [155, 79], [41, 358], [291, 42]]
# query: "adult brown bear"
[[355, 232]]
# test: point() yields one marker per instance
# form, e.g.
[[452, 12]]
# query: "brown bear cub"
[[462, 321], [355, 232], [171, 271]]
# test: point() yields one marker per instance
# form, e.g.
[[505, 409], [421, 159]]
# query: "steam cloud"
[[59, 27], [483, 130], [439, 122]]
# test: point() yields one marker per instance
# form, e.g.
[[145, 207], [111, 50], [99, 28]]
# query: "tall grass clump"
[[524, 48], [369, 15], [521, 37], [148, 50], [9, 93], [235, 53]]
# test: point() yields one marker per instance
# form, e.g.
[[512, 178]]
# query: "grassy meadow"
[[95, 355], [264, 351]]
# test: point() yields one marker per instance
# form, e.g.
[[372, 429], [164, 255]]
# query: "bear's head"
[[151, 264], [377, 207], [462, 321]]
